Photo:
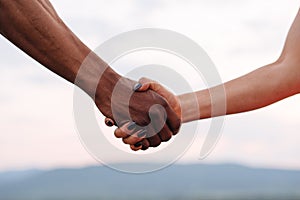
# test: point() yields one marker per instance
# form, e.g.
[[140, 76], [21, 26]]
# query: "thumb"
[[148, 84]]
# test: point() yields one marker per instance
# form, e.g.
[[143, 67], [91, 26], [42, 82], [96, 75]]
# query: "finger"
[[134, 148], [109, 122], [126, 130], [119, 133], [154, 141], [165, 134], [135, 138], [145, 144], [153, 137]]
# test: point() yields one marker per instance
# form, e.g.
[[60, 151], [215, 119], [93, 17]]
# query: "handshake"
[[145, 112]]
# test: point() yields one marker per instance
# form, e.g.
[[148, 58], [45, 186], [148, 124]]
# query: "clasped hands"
[[136, 128]]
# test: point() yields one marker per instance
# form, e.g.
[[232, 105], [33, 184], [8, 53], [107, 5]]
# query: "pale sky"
[[37, 127]]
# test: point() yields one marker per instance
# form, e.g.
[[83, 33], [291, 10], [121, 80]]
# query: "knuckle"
[[131, 140], [145, 144], [165, 137], [116, 133], [154, 142], [125, 141], [133, 148], [135, 139]]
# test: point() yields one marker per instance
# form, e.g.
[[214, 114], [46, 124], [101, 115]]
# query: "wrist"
[[195, 106], [110, 83], [189, 108], [95, 74], [106, 85]]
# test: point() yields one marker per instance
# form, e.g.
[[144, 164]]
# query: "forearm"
[[35, 28], [257, 89]]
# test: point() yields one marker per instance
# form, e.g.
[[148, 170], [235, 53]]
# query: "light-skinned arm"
[[260, 88]]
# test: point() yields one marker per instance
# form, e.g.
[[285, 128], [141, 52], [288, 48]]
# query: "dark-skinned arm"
[[35, 27]]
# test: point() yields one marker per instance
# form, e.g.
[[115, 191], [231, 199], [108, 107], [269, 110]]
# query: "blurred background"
[[41, 156]]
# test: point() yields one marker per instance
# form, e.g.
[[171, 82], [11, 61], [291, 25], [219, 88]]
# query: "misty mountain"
[[176, 182]]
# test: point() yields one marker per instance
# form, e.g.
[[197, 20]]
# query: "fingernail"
[[131, 126], [109, 123], [142, 134], [138, 144], [137, 86]]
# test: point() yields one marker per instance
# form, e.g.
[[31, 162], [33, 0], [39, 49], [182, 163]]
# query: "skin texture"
[[260, 88], [35, 27]]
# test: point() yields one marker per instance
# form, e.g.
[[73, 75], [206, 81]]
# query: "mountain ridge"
[[184, 181]]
